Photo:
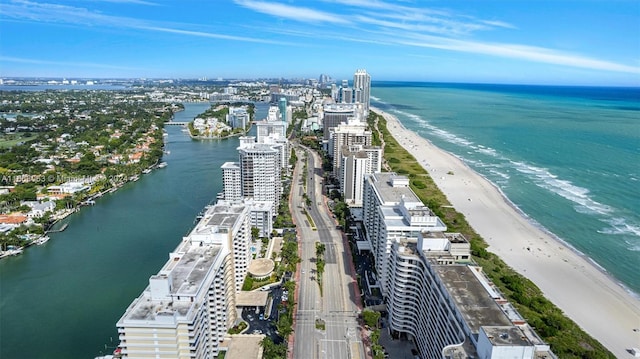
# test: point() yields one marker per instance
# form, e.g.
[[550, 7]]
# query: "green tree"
[[255, 232], [370, 318]]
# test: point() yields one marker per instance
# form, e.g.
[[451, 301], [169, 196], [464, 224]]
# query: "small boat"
[[146, 170], [162, 165], [42, 240]]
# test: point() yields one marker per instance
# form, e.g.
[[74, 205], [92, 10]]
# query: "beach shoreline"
[[584, 291]]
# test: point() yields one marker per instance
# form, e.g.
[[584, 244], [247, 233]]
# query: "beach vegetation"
[[566, 338]]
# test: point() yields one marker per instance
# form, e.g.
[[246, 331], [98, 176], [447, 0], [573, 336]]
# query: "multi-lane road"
[[337, 305]]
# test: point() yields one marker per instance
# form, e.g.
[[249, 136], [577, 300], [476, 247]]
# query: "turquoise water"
[[569, 158], [63, 299]]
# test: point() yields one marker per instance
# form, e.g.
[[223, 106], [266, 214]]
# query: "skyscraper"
[[362, 88], [260, 168]]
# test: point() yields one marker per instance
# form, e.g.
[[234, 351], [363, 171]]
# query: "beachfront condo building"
[[260, 169], [334, 114], [356, 162], [362, 89], [449, 308], [352, 132], [187, 308], [391, 210], [346, 95]]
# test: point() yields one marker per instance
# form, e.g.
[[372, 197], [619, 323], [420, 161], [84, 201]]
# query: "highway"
[[337, 305]]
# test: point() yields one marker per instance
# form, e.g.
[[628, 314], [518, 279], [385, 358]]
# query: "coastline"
[[568, 278]]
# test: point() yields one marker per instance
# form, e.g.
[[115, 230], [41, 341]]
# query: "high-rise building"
[[334, 114], [356, 162], [362, 88], [190, 304], [260, 169], [238, 117], [449, 308], [282, 106], [391, 210], [353, 132], [346, 95], [435, 295], [231, 181]]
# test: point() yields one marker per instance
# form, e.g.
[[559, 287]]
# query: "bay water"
[[63, 299], [567, 157]]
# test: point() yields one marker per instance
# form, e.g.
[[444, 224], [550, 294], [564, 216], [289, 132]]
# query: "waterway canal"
[[63, 299]]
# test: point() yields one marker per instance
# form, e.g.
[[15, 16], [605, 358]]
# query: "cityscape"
[[321, 179], [319, 245]]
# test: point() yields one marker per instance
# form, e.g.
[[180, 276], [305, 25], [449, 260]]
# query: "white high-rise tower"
[[362, 88]]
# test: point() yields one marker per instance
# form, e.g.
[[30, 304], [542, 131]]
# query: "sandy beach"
[[587, 295]]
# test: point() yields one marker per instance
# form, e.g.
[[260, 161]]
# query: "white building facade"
[[391, 210], [449, 308], [362, 89], [189, 305], [356, 162], [260, 170]]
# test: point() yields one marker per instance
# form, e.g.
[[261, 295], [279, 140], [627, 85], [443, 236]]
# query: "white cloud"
[[54, 13], [291, 12], [134, 2], [523, 52], [428, 28]]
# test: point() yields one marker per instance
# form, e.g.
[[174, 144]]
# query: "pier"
[[61, 229]]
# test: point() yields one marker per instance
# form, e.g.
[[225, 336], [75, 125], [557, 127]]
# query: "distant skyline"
[[557, 42]]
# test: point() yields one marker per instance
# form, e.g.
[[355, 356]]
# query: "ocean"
[[567, 157]]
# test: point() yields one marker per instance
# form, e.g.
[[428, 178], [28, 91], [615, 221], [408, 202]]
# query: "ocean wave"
[[576, 194], [500, 174], [487, 151], [620, 225], [446, 135]]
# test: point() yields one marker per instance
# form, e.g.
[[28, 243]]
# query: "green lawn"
[[12, 139]]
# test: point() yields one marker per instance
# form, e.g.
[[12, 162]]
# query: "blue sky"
[[571, 42]]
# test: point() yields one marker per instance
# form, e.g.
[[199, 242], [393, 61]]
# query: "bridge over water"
[[175, 123]]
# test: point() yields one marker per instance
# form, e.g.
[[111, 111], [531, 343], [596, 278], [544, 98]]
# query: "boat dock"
[[61, 229]]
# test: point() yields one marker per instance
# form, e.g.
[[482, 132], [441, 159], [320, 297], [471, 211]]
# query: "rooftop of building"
[[261, 267], [187, 268], [230, 165], [339, 107], [471, 298], [259, 148], [506, 335], [390, 193], [243, 346], [255, 298], [186, 275]]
